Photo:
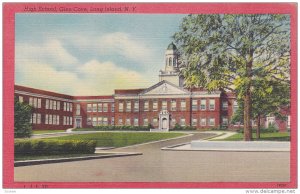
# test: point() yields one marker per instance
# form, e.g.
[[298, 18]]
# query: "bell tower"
[[171, 71]]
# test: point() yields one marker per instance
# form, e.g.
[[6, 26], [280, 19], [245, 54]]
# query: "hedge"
[[125, 128], [178, 127], [52, 147]]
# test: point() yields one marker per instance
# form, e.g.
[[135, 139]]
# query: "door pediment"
[[165, 88]]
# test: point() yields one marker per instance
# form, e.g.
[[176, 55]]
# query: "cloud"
[[122, 44], [92, 78], [50, 65], [50, 51]]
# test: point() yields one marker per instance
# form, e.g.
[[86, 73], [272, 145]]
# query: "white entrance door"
[[164, 123]]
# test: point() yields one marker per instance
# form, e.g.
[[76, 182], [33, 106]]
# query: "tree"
[[22, 126], [231, 52], [267, 98]]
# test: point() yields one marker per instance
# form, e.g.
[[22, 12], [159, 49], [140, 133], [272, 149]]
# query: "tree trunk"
[[247, 98], [247, 120], [258, 128]]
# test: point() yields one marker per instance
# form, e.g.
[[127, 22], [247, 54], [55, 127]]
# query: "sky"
[[91, 54]]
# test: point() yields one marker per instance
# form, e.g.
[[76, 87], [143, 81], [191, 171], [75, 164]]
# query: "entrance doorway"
[[78, 123], [164, 123]]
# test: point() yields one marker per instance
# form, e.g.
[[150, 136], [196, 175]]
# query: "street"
[[156, 165]]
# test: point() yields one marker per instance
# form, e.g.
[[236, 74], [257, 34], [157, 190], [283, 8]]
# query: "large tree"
[[268, 98], [22, 114], [230, 52]]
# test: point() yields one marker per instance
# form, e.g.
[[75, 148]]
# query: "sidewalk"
[[234, 146]]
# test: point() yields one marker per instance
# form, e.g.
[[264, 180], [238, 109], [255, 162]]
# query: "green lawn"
[[282, 136], [39, 157], [46, 131], [120, 139]]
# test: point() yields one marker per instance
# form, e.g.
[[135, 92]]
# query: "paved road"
[[156, 165]]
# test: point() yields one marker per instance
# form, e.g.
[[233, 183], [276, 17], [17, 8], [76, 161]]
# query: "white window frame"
[[203, 104], [212, 104]]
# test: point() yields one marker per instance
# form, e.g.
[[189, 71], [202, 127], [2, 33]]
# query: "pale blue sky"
[[91, 54]]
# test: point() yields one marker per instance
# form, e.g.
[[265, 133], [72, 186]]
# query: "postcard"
[[150, 95]]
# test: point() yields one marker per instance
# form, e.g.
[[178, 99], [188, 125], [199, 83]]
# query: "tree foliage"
[[22, 127], [239, 53]]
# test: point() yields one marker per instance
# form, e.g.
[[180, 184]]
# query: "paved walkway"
[[156, 165]]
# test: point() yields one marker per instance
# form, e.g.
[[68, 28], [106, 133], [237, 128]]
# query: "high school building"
[[162, 105]]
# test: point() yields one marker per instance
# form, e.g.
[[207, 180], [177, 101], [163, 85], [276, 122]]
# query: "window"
[[170, 61], [71, 107], [127, 122], [211, 121], [173, 121], [105, 107], [89, 121], [203, 104], [173, 105], [99, 121], [154, 105], [128, 106], [54, 119], [77, 109], [155, 121], [120, 121], [183, 105], [50, 119], [105, 121], [47, 104], [57, 119], [89, 107], [71, 120], [67, 120], [100, 107], [58, 105], [211, 104], [146, 106], [164, 105], [224, 121], [194, 121], [225, 105], [94, 107], [112, 121], [34, 118], [94, 121], [35, 103], [145, 122], [51, 104], [203, 121], [121, 106], [235, 106], [65, 106], [112, 107], [182, 121], [21, 99], [39, 103], [136, 122], [54, 105], [136, 106], [46, 119], [194, 105]]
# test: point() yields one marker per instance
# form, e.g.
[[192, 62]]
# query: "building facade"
[[162, 105]]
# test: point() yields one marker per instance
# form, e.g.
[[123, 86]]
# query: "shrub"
[[124, 128], [22, 114], [50, 147], [178, 127]]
